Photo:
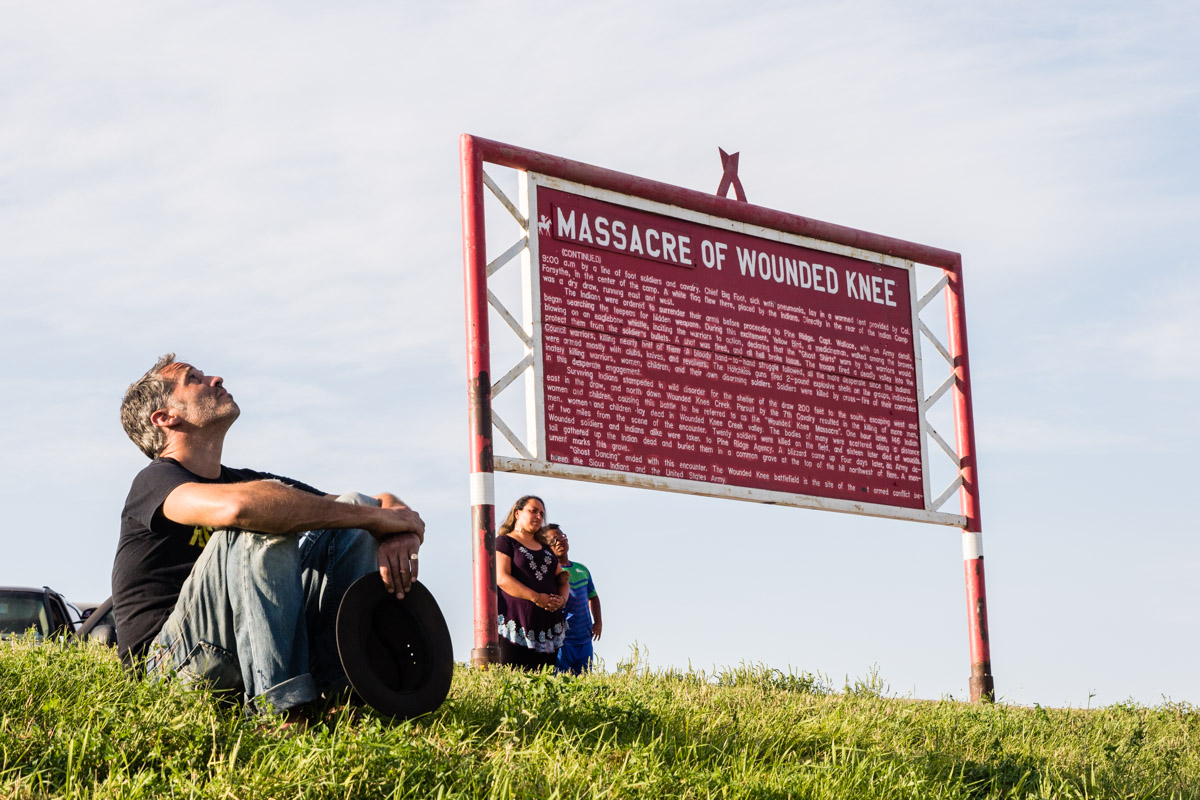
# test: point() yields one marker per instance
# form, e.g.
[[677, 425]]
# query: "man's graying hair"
[[148, 394]]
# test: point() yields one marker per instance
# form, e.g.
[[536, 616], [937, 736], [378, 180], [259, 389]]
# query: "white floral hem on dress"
[[544, 641]]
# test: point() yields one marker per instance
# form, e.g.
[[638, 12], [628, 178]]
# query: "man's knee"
[[358, 499], [263, 555], [229, 547], [273, 544]]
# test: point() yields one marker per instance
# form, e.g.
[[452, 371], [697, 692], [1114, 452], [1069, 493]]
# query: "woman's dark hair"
[[510, 521]]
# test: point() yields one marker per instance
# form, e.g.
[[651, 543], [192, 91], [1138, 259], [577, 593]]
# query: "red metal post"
[[483, 500], [981, 683]]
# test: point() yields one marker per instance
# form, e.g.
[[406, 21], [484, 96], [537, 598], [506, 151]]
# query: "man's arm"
[[273, 507]]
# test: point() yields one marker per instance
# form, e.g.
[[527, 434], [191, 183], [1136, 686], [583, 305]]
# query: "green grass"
[[75, 725]]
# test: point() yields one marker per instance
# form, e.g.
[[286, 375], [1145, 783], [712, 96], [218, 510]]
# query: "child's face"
[[557, 540]]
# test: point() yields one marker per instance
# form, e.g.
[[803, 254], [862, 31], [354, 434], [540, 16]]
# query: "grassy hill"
[[75, 725]]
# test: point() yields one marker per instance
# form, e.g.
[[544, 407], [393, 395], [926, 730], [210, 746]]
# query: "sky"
[[271, 190]]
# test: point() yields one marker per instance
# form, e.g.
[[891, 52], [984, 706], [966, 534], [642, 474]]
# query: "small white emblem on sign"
[[544, 224]]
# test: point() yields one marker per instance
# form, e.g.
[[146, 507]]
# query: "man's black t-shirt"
[[155, 555]]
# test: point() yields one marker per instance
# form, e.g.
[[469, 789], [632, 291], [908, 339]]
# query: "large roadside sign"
[[723, 357], [674, 340]]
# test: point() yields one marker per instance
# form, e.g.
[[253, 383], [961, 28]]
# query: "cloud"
[[1052, 435], [1158, 340]]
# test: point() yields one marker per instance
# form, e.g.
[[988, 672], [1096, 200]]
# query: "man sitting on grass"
[[233, 576]]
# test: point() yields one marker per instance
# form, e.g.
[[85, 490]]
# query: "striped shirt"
[[579, 615]]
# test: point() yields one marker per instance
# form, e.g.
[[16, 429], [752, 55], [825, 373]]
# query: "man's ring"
[[412, 556]]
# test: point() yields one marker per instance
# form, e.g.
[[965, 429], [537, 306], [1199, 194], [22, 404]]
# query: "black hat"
[[396, 653]]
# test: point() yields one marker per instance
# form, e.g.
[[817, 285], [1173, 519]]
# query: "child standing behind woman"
[[532, 589]]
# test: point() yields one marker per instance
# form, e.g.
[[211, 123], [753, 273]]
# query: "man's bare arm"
[[273, 507]]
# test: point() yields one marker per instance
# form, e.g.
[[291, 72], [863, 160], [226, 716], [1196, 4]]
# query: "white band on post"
[[483, 488], [972, 544]]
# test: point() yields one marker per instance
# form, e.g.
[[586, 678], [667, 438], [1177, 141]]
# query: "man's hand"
[[597, 629], [398, 562]]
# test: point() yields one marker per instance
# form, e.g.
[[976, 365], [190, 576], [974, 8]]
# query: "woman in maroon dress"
[[532, 593]]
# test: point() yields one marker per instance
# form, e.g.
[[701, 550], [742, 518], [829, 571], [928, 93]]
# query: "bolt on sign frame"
[[794, 344]]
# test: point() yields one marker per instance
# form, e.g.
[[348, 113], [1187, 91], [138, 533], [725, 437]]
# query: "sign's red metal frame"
[[476, 151]]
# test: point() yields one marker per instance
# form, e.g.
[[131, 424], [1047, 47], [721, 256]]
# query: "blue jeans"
[[574, 657], [258, 613]]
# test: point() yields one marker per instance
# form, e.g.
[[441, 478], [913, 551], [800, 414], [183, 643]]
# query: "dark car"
[[44, 611]]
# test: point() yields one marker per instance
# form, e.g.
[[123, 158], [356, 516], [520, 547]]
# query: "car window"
[[20, 612]]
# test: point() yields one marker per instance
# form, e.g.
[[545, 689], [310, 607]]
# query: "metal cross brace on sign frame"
[[527, 437]]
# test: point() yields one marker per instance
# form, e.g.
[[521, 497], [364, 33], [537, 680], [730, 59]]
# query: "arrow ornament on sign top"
[[729, 176]]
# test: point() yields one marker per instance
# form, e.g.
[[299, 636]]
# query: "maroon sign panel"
[[687, 351]]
